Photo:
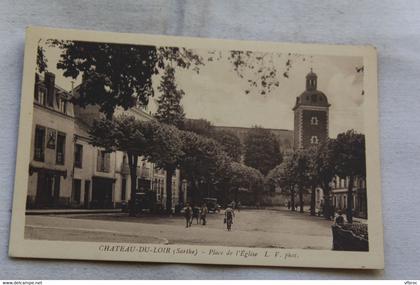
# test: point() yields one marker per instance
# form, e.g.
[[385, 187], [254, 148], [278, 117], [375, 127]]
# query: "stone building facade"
[[68, 172]]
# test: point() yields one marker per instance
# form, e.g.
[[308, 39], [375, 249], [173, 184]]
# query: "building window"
[[78, 155], [314, 121], [39, 143], [76, 190], [40, 95], [123, 189], [103, 161], [61, 145], [62, 105], [314, 140]]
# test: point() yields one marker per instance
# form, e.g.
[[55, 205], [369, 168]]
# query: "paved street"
[[252, 228]]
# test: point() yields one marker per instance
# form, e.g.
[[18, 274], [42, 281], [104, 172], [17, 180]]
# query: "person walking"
[[203, 214], [187, 214], [229, 214], [195, 214]]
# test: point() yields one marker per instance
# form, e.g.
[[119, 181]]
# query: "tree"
[[242, 176], [198, 126], [262, 150], [164, 148], [325, 166], [300, 167], [116, 74], [282, 176], [230, 142], [124, 133], [113, 74], [313, 175], [203, 162], [351, 162], [169, 109]]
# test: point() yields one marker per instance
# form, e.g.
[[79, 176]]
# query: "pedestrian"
[[187, 214], [339, 220], [238, 206], [288, 205], [203, 213], [195, 214], [229, 214]]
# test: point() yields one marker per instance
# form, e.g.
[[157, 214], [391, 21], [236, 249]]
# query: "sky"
[[217, 93]]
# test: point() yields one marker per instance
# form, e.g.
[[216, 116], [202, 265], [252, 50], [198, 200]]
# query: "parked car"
[[145, 201], [212, 205]]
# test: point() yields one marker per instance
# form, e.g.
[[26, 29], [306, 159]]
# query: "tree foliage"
[[262, 150], [350, 154], [242, 176], [164, 148], [230, 143], [113, 74], [203, 162], [350, 162], [116, 74], [164, 144], [170, 110], [283, 176], [123, 133], [198, 126]]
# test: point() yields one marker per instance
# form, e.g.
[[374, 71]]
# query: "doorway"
[[48, 190], [102, 193]]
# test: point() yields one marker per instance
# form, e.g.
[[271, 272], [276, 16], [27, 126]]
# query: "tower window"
[[314, 140], [314, 121]]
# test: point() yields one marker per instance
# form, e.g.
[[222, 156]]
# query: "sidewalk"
[[70, 211]]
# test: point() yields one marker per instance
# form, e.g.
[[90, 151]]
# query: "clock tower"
[[311, 115]]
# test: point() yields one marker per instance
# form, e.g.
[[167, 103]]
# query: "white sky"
[[217, 92]]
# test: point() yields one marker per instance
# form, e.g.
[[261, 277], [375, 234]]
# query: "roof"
[[311, 96]]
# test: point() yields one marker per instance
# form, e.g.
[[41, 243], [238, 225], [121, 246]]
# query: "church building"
[[311, 115]]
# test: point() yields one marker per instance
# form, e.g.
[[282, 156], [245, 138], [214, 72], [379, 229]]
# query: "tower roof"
[[312, 96]]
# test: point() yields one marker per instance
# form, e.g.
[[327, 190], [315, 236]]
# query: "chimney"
[[49, 81]]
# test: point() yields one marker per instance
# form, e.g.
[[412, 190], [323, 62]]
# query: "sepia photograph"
[[198, 150]]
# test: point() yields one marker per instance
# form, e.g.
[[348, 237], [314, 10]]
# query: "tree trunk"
[[292, 199], [349, 212], [132, 164], [313, 200], [169, 172], [301, 198]]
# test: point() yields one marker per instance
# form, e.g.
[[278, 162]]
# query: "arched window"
[[314, 121], [314, 140]]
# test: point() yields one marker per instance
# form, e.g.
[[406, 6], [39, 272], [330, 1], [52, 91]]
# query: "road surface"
[[251, 228]]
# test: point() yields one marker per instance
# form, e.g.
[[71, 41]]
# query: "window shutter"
[[98, 161]]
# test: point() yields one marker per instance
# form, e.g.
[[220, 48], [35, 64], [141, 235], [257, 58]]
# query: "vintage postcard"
[[188, 150]]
